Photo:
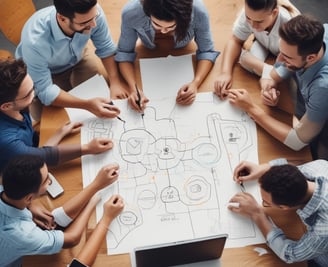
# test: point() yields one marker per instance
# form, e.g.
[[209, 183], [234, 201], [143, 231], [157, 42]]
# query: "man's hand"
[[247, 205], [134, 101], [41, 216], [186, 94], [222, 84], [270, 97], [241, 99], [113, 207], [102, 109], [248, 171], [106, 176], [96, 146]]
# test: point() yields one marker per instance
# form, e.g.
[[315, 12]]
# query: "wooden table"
[[222, 14]]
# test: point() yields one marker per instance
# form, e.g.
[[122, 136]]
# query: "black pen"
[[139, 99], [112, 103]]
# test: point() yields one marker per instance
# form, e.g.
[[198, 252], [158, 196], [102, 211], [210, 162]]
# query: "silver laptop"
[[195, 252]]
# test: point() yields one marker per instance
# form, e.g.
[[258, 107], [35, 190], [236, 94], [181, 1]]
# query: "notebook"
[[197, 252]]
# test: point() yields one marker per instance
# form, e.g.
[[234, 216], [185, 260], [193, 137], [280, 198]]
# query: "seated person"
[[25, 179], [286, 187], [54, 47], [88, 254], [17, 134], [304, 58], [150, 20], [261, 19]]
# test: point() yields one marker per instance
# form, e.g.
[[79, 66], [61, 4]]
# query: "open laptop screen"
[[183, 252]]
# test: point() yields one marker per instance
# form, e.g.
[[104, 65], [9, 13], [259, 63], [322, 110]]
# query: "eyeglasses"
[[27, 95], [86, 23], [160, 27]]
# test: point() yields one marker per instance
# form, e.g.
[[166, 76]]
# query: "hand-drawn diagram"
[[175, 173]]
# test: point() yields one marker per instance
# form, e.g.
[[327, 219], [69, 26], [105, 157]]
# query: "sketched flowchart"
[[175, 172]]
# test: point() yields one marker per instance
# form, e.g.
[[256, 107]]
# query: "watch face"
[[76, 263]]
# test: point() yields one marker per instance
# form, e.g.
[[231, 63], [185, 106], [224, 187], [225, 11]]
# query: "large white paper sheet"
[[175, 172], [94, 87]]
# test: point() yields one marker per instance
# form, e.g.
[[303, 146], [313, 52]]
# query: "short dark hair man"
[[25, 179], [284, 186]]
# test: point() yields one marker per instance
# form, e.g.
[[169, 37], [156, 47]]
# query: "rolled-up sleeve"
[[128, 37], [203, 36]]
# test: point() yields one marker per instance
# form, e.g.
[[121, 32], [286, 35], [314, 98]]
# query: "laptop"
[[196, 252]]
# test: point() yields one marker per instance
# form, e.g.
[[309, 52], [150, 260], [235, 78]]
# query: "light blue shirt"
[[20, 236], [314, 243], [312, 86], [47, 50], [136, 24]]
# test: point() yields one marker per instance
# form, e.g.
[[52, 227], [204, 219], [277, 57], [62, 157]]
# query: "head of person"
[[16, 86], [301, 40], [283, 186], [261, 14], [169, 15], [76, 15], [25, 178]]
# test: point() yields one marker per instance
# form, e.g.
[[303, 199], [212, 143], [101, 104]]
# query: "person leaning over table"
[[303, 57], [25, 179], [261, 18], [183, 20], [286, 187], [54, 47], [17, 134]]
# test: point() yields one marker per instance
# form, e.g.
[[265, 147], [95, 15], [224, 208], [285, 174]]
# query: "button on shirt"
[[47, 50], [136, 24], [314, 243], [20, 236]]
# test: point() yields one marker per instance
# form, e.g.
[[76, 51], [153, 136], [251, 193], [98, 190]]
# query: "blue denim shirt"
[[314, 243], [18, 138], [47, 50], [136, 24]]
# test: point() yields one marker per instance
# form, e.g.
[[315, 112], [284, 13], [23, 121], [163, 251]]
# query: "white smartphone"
[[54, 189]]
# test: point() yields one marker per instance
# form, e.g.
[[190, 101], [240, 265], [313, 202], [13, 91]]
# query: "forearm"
[[76, 204], [90, 250], [276, 128], [230, 55], [73, 233], [111, 69], [68, 152], [202, 69], [128, 72], [65, 99], [262, 222]]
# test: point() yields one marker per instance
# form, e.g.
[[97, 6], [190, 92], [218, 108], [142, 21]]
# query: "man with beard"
[[303, 56], [54, 47]]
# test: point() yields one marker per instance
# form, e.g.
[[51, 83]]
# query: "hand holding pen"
[[138, 100]]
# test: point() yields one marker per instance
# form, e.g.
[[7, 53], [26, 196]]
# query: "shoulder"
[[199, 8], [132, 10], [283, 15]]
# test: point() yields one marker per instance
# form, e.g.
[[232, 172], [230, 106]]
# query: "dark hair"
[[12, 74], [305, 32], [262, 4], [286, 184], [168, 10], [22, 176], [68, 8]]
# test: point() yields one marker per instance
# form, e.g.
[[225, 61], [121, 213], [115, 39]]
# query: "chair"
[[13, 15]]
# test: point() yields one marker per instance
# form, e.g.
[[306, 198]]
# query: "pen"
[[139, 99], [112, 103], [243, 172]]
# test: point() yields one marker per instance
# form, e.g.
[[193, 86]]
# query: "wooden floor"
[[222, 14]]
